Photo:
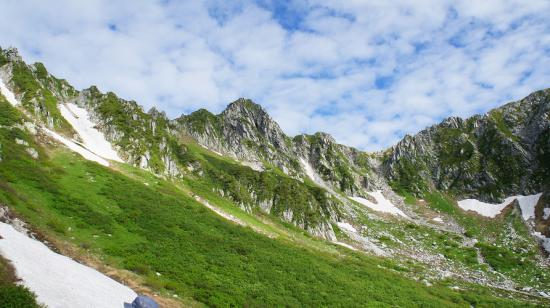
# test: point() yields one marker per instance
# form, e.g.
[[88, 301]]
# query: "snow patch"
[[8, 94], [545, 241], [382, 204], [345, 245], [213, 151], [346, 226], [546, 213], [311, 173], [59, 281], [93, 139], [308, 169], [526, 203], [77, 148], [438, 219], [484, 209]]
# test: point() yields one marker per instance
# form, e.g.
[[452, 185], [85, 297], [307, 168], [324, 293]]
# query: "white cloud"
[[315, 65]]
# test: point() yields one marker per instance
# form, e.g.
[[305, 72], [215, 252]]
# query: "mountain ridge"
[[246, 132], [399, 204]]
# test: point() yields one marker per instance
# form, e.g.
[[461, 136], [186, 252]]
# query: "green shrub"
[[13, 296]]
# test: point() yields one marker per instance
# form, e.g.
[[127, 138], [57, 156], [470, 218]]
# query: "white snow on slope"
[[93, 139], [382, 204], [484, 209], [8, 94], [526, 203], [438, 219], [345, 245], [308, 169], [545, 241], [546, 213], [59, 281], [77, 148], [346, 226], [310, 172]]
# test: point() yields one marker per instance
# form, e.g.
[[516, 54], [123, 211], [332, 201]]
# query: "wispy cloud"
[[367, 72]]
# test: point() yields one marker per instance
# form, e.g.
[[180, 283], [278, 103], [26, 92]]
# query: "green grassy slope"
[[157, 228]]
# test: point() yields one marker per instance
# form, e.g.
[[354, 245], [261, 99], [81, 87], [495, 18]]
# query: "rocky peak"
[[324, 138], [156, 114], [247, 115], [486, 157], [244, 106], [11, 54], [452, 122], [244, 119]]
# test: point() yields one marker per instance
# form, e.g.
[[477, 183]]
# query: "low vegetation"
[[179, 246]]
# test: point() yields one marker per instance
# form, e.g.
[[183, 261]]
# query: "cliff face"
[[246, 132], [143, 139], [501, 153]]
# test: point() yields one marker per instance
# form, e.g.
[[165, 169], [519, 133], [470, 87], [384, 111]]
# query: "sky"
[[367, 72]]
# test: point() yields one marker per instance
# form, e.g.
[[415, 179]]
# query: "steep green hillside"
[[288, 204], [149, 226]]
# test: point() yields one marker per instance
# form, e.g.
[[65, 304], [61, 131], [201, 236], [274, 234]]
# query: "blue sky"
[[366, 72]]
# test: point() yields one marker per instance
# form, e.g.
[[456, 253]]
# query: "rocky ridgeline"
[[246, 132], [505, 152]]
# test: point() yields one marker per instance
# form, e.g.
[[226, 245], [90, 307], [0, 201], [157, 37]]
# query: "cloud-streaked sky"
[[366, 72]]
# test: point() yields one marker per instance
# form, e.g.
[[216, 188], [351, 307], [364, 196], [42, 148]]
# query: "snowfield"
[[382, 204], [8, 94], [77, 148], [59, 281], [526, 203], [93, 139]]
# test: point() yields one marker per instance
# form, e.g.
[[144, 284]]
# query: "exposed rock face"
[[243, 131], [37, 90], [505, 152], [502, 153], [246, 132], [142, 139]]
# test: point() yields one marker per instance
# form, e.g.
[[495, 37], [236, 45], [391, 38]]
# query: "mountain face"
[[501, 153], [488, 157], [246, 132], [399, 203]]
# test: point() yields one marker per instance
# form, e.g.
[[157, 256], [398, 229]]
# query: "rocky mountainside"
[[502, 153], [246, 132], [464, 198], [489, 157]]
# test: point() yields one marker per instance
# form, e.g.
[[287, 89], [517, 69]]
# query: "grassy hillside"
[[149, 226]]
